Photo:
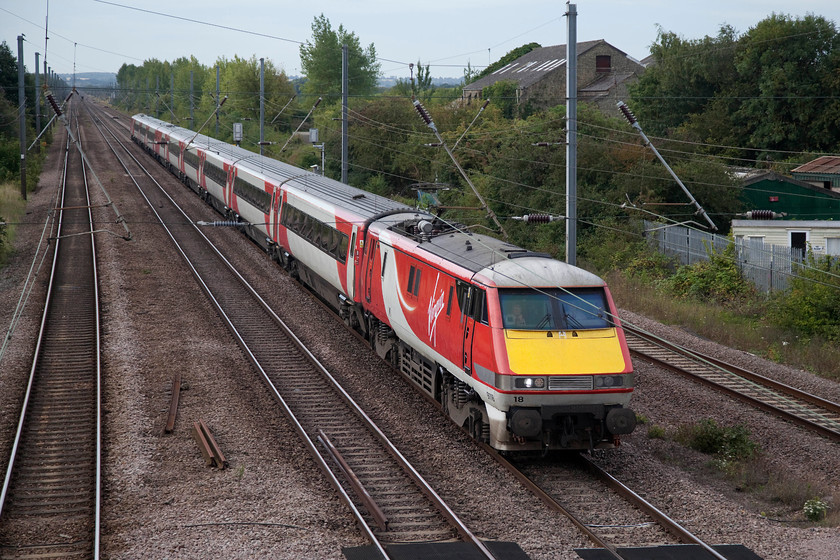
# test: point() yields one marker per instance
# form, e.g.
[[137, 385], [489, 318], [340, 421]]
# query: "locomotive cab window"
[[554, 309]]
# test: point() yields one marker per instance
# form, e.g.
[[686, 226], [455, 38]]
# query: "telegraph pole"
[[344, 86], [22, 114], [172, 93], [192, 104], [37, 100], [571, 136], [262, 104], [217, 100]]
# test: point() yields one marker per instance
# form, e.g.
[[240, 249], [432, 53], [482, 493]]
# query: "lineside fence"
[[769, 267]]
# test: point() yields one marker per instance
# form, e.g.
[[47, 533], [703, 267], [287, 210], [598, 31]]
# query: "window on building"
[[603, 63], [832, 246]]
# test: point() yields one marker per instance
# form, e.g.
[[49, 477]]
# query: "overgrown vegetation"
[[12, 205], [717, 280], [738, 459], [714, 301], [811, 307], [728, 444], [12, 211]]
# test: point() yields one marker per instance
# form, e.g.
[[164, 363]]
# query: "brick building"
[[603, 73]]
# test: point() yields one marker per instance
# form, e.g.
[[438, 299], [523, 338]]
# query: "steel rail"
[[767, 388], [45, 342]]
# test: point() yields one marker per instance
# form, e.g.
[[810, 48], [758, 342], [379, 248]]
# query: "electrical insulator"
[[54, 105], [628, 114], [424, 115], [225, 223], [763, 215], [537, 218]]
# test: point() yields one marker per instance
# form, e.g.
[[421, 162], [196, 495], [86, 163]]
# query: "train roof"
[[506, 265], [366, 204]]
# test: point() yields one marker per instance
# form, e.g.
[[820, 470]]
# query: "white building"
[[821, 236]]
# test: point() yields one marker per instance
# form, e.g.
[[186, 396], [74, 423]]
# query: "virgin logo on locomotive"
[[435, 307]]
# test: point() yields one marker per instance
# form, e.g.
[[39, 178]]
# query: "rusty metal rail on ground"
[[210, 450]]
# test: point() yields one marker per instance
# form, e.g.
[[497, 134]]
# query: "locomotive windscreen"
[[554, 309]]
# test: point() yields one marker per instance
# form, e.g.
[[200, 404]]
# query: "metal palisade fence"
[[769, 267]]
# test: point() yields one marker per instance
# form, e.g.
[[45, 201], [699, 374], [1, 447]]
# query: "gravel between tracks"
[[162, 502]]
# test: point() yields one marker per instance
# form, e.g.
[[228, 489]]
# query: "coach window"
[[449, 302]]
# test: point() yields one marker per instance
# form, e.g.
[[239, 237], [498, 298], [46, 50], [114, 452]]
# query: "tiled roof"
[[531, 67], [606, 83], [824, 164]]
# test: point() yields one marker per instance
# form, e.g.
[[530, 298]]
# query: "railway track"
[[810, 411], [611, 515], [49, 506], [391, 501]]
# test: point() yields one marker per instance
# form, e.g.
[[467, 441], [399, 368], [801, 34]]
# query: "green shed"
[[799, 200]]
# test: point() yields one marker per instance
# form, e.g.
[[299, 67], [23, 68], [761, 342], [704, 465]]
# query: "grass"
[[12, 211], [742, 328]]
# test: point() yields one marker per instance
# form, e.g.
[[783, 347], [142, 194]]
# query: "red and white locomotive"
[[522, 350]]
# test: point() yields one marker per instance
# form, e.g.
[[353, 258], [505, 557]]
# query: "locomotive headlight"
[[608, 381], [530, 382]]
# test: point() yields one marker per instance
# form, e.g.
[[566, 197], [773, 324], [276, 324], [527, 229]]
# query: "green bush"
[[649, 266], [811, 306], [717, 280], [727, 443], [815, 509]]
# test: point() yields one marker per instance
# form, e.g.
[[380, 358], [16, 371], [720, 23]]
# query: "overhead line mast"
[[631, 118]]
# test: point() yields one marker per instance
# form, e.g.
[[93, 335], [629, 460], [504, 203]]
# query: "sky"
[[100, 36]]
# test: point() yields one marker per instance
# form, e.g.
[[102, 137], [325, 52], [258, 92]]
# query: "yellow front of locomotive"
[[563, 374]]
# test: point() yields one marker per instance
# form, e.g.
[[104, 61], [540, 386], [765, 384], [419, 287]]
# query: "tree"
[[767, 89], [684, 79], [787, 67], [320, 60], [8, 71]]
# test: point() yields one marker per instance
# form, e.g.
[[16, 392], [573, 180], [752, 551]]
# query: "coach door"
[[465, 296], [228, 194], [369, 266], [351, 265], [472, 301], [274, 219]]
